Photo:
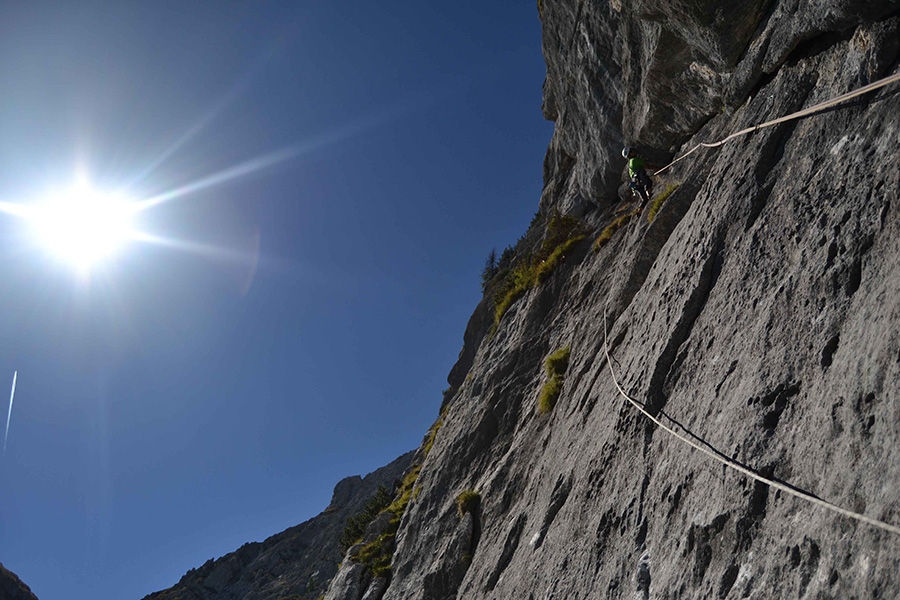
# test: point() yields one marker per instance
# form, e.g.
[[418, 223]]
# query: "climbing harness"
[[734, 465], [796, 115], [643, 191]]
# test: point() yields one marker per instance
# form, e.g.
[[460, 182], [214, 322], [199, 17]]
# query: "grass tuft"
[[377, 554], [555, 367], [467, 502], [549, 394], [558, 362], [659, 200], [547, 266], [432, 433], [612, 228], [562, 235]]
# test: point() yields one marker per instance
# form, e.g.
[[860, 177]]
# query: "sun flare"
[[83, 226]]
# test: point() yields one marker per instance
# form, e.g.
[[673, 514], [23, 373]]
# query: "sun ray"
[[225, 175], [85, 226], [197, 248], [270, 159], [238, 88], [16, 209], [192, 131]]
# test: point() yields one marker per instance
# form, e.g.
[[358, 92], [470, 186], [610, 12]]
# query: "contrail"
[[12, 395]]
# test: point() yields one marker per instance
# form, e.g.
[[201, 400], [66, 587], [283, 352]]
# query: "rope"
[[732, 464], [796, 115]]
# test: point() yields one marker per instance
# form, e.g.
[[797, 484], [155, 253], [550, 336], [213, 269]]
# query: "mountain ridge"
[[297, 563]]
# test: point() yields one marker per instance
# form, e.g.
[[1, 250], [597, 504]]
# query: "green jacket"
[[634, 165]]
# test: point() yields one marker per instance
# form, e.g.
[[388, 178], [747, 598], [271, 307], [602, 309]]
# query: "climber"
[[640, 180]]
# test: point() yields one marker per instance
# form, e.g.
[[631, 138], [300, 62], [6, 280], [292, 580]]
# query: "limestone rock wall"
[[652, 72], [758, 311]]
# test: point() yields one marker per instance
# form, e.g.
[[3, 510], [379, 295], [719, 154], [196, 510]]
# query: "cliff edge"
[[753, 307]]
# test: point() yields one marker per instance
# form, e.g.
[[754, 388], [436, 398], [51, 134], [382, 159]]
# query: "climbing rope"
[[796, 115], [734, 465]]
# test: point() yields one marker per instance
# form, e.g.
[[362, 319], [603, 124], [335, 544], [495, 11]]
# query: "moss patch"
[[612, 228], [555, 366], [659, 200], [562, 235], [377, 555], [467, 502], [432, 433]]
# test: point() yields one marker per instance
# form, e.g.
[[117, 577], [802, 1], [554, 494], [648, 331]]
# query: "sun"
[[83, 226]]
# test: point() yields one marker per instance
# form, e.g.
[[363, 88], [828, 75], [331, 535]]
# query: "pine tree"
[[490, 269]]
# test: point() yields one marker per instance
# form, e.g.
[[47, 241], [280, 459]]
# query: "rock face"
[[653, 72], [297, 563], [12, 588], [758, 313]]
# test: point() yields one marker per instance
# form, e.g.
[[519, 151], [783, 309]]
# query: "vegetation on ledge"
[[659, 200], [377, 554], [356, 525], [613, 227], [562, 235], [467, 502], [432, 433], [555, 367]]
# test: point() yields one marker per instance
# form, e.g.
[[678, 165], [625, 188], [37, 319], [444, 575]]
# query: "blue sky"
[[177, 403]]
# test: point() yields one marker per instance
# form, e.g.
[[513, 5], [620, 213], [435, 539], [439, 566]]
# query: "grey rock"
[[478, 326], [350, 582], [377, 527], [376, 589], [758, 313], [652, 73], [344, 492]]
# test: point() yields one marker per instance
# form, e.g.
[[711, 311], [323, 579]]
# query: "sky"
[[321, 184]]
